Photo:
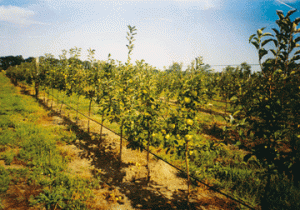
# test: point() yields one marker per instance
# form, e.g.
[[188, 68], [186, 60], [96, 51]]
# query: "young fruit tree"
[[267, 112]]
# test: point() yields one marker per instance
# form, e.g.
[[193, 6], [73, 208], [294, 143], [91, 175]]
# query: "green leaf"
[[290, 12], [262, 53], [255, 44], [233, 98], [282, 46], [297, 20], [297, 39], [259, 32], [257, 39], [276, 31], [275, 42], [266, 42], [267, 34], [251, 37], [280, 14], [295, 58], [297, 52], [237, 112], [281, 56], [273, 51]]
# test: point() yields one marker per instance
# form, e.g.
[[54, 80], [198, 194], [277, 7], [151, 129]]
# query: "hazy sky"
[[168, 31]]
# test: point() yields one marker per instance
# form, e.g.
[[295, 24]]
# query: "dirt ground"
[[126, 188]]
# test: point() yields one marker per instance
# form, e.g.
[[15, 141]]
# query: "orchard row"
[[263, 112]]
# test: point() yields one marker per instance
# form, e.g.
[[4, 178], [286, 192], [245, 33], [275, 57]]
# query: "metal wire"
[[233, 64]]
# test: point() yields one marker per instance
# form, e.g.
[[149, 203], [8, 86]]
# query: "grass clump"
[[4, 180], [65, 192], [38, 148], [7, 137], [9, 157]]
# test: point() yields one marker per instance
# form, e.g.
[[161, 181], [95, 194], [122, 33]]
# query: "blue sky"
[[167, 31]]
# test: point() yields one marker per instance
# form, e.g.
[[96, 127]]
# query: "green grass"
[[35, 146]]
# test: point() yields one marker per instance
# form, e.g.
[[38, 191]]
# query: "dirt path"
[[126, 188]]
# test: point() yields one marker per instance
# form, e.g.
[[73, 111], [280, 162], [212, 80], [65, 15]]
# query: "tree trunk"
[[90, 105], [36, 87], [52, 98], [226, 106], [148, 148], [57, 101], [188, 173], [101, 129], [77, 110], [121, 143], [47, 93], [44, 96], [62, 101]]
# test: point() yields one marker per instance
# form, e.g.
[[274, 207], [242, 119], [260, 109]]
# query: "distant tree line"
[[7, 61]]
